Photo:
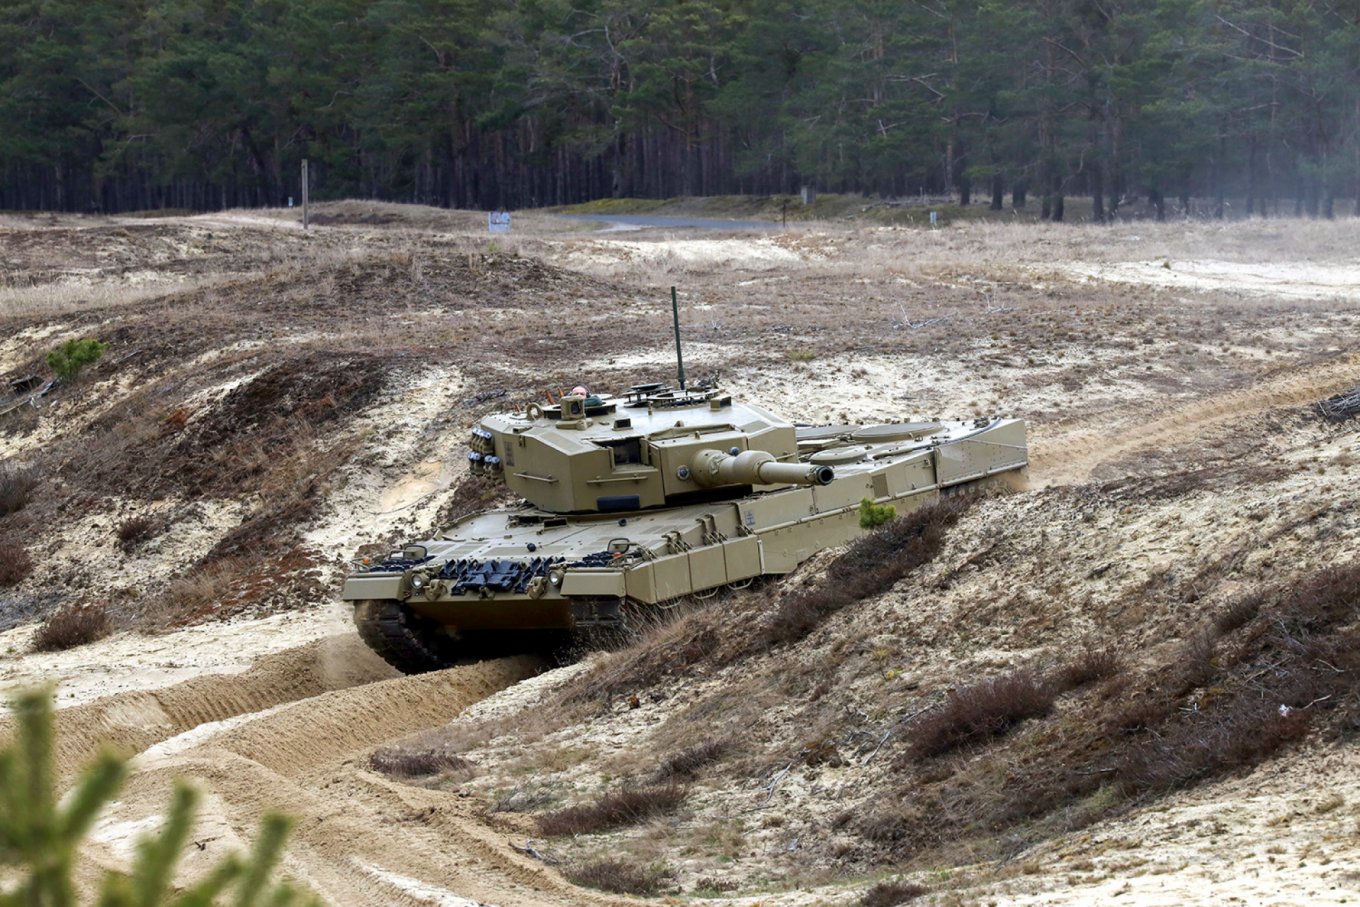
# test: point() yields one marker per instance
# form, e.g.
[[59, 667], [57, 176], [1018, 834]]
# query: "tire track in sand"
[[133, 721], [359, 834], [1070, 457]]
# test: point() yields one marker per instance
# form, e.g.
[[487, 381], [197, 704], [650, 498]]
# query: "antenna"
[[679, 359]]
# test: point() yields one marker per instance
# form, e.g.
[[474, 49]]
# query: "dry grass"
[[687, 763], [628, 806], [16, 487], [135, 530], [401, 762], [71, 626], [15, 564], [618, 877], [977, 713], [1087, 668], [195, 595], [68, 296], [890, 894]]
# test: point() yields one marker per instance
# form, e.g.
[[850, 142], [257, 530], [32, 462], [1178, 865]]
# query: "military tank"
[[631, 503]]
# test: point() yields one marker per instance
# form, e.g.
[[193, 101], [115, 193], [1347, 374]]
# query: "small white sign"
[[498, 221]]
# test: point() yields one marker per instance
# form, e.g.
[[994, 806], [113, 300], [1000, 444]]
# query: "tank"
[[632, 503]]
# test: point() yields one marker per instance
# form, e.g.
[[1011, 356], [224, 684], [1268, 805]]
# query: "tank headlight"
[[555, 578], [417, 581]]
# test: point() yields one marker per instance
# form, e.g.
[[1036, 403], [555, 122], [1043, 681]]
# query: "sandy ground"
[[282, 711]]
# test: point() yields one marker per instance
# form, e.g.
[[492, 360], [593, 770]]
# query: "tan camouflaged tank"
[[635, 502]]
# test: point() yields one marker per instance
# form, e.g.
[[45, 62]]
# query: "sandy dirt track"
[[1059, 457], [361, 838]]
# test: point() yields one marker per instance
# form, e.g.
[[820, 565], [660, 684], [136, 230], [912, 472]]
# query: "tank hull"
[[525, 569]]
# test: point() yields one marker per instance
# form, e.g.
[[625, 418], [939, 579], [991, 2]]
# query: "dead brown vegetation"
[[981, 711], [16, 487], [687, 763], [72, 625], [135, 530], [404, 762], [617, 876], [627, 806], [15, 564], [890, 894]]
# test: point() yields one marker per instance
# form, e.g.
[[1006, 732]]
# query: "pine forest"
[[1211, 107]]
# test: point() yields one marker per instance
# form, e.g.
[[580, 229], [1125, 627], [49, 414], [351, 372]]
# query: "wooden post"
[[306, 220]]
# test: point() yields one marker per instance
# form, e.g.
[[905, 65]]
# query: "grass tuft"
[[16, 487], [71, 626], [1238, 614], [1087, 668], [618, 877], [399, 762], [687, 763], [628, 806], [15, 564], [135, 530], [977, 713], [890, 894]]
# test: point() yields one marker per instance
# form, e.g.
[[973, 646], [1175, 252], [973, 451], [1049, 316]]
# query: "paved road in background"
[[640, 221]]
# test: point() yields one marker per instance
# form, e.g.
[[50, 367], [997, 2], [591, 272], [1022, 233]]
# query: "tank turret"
[[653, 447]]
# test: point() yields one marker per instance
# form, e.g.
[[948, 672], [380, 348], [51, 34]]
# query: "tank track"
[[404, 640]]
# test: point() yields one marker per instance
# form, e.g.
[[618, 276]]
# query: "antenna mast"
[[679, 359]]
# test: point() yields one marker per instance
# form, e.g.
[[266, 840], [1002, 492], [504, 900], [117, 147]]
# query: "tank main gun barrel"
[[712, 468]]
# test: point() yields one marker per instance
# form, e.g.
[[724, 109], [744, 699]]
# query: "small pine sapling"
[[68, 359], [872, 515]]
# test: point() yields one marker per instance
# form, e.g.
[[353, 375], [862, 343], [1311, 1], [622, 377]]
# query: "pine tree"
[[41, 833]]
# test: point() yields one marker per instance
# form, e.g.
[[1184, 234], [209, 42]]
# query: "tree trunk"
[[1098, 194], [998, 192]]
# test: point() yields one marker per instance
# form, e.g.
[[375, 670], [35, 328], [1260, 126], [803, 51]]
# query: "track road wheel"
[[405, 640]]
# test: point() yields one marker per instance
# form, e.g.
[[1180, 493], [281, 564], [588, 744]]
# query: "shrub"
[[16, 487], [1090, 666], [872, 515], [618, 877], [890, 894], [615, 810], [68, 359], [15, 564], [1195, 667], [686, 763], [1242, 732], [399, 762], [71, 626], [977, 713], [1238, 614], [132, 532]]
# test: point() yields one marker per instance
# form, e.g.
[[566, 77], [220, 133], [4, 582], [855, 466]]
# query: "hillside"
[[1156, 637]]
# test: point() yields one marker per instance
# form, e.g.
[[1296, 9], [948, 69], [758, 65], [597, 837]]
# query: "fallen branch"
[[1342, 406], [528, 848]]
